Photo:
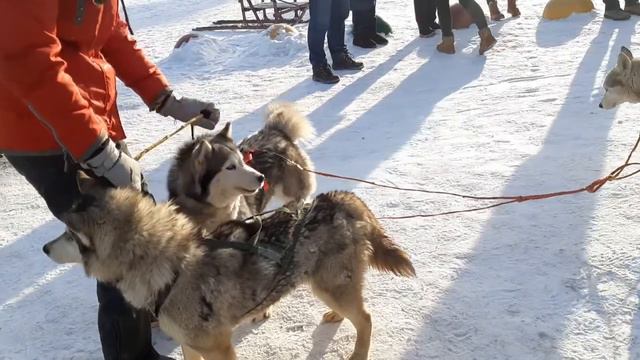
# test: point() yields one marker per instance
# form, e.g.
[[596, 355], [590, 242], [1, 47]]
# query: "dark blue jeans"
[[326, 19], [125, 332]]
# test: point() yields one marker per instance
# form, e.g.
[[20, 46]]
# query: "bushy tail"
[[385, 255], [286, 118]]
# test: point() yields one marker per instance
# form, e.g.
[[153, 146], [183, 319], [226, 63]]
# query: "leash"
[[593, 187], [168, 136]]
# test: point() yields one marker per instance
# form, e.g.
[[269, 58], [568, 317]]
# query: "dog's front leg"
[[190, 354]]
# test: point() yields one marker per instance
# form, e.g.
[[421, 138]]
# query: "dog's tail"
[[286, 118], [384, 254]]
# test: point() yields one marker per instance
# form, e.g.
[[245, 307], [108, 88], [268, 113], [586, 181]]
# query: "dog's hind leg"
[[346, 301], [220, 346]]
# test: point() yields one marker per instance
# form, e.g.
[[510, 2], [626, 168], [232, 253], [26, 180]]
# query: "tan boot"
[[494, 12], [486, 40], [447, 45], [512, 8]]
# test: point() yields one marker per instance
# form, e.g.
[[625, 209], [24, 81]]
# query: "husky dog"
[[211, 183], [200, 288], [622, 83]]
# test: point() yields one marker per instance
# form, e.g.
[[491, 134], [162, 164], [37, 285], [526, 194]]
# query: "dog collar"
[[247, 157]]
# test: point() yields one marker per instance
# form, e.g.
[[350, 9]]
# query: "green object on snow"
[[382, 26]]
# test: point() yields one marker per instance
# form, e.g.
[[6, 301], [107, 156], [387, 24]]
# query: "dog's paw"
[[263, 316], [358, 356], [332, 317]]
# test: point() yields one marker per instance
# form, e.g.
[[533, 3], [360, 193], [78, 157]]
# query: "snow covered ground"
[[547, 280]]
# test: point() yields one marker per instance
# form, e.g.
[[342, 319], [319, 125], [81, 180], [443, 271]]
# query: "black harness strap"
[[163, 295]]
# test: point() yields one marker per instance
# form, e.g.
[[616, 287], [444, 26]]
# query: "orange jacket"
[[58, 65]]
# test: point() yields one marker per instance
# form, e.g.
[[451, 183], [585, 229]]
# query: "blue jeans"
[[326, 19]]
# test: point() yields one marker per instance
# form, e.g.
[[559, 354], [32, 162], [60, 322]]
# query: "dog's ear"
[[200, 154], [86, 184], [226, 131], [627, 52], [624, 61]]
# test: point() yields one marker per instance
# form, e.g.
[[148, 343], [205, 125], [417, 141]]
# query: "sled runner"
[[265, 13]]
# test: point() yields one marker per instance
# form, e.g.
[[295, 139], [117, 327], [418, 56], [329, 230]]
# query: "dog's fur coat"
[[124, 238]]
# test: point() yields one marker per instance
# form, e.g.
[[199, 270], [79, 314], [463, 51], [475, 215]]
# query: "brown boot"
[[486, 40], [447, 46], [495, 13], [512, 8]]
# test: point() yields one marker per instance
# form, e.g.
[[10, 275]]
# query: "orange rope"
[[591, 188]]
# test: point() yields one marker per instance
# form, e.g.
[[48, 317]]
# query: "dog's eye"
[[231, 167]]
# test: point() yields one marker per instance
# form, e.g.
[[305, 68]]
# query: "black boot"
[[379, 39], [364, 42], [323, 74], [344, 61]]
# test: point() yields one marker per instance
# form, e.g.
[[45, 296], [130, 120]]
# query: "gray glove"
[[116, 166], [185, 109]]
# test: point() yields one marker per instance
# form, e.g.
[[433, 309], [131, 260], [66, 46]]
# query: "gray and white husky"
[[201, 287], [622, 83], [211, 182]]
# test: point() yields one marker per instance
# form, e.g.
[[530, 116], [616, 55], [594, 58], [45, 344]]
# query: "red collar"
[[247, 157]]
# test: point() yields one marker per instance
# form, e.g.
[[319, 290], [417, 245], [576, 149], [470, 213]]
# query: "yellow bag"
[[560, 9]]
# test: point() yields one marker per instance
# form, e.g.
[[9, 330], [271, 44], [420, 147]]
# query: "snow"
[[545, 280]]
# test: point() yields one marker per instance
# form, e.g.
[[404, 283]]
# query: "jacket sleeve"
[[30, 66], [132, 66]]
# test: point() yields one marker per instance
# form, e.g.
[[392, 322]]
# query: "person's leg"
[[362, 36], [444, 14], [632, 7], [612, 10], [335, 35], [125, 332], [319, 20], [476, 13], [377, 38], [54, 177], [423, 18], [494, 11]]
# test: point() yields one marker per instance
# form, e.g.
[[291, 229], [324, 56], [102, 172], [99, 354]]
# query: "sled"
[[265, 13]]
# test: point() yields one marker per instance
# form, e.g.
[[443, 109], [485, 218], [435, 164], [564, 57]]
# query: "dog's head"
[[212, 169], [620, 84], [100, 228]]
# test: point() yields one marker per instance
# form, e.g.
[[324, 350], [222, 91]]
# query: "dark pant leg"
[[360, 23], [319, 20], [421, 10], [335, 35], [444, 14], [476, 13], [611, 4], [125, 332], [54, 177]]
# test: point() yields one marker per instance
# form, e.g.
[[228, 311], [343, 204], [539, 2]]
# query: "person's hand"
[[185, 109], [116, 166]]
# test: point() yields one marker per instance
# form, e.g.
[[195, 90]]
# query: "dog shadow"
[[534, 303]]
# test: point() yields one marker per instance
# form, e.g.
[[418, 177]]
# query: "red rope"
[[591, 188]]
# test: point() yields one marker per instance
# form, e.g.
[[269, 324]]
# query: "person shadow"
[[516, 294]]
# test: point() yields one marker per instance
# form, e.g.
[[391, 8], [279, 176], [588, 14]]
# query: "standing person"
[[495, 13], [326, 18], [447, 46], [612, 9], [58, 113], [363, 15], [425, 11]]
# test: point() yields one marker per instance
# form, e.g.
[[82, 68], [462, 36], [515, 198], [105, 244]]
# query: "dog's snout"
[[260, 178], [600, 106], [45, 249]]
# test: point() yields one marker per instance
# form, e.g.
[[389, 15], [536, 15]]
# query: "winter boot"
[[487, 41], [363, 42], [632, 8], [323, 74], [495, 13], [512, 8], [379, 39], [428, 33], [447, 45], [616, 14], [344, 61]]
